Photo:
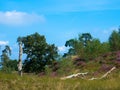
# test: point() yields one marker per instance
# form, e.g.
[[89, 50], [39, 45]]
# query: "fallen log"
[[74, 75], [83, 75], [108, 72], [105, 75]]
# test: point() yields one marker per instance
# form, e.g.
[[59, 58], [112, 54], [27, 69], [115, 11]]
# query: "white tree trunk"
[[20, 59]]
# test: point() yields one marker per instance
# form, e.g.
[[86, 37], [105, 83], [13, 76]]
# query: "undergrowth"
[[34, 82]]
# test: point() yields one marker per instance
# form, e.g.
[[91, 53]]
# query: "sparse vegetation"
[[33, 82], [43, 68]]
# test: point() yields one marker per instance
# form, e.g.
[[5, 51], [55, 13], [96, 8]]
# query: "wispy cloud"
[[4, 42], [62, 49], [103, 33], [109, 31], [19, 18]]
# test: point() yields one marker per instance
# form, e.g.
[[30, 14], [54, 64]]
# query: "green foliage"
[[77, 45], [114, 41], [95, 48], [39, 53], [105, 47], [12, 64], [85, 38], [92, 48], [48, 70], [5, 54], [66, 66], [4, 59], [87, 47], [7, 64], [72, 43]]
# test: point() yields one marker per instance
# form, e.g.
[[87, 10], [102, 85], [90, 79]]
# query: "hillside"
[[95, 68]]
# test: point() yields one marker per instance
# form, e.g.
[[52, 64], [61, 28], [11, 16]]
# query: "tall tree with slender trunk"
[[19, 40]]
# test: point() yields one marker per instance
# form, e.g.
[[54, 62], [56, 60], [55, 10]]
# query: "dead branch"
[[105, 75], [83, 74], [74, 75]]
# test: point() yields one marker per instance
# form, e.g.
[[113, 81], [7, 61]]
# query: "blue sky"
[[58, 20]]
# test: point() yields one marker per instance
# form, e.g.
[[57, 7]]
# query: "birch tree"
[[19, 40]]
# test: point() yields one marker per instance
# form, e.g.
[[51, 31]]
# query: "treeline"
[[44, 57], [86, 47]]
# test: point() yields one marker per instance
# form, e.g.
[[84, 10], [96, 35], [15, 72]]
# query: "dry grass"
[[32, 82]]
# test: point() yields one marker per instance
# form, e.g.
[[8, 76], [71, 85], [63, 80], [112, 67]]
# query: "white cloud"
[[19, 18], [4, 42], [109, 31], [62, 49]]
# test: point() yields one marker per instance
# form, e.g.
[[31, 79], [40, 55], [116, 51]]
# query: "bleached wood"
[[105, 75], [20, 59], [108, 72], [74, 75], [83, 74]]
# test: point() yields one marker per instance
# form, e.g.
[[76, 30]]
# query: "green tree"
[[39, 53], [72, 43], [77, 46], [105, 47], [92, 49], [85, 38], [95, 48], [12, 65], [87, 47], [114, 41], [66, 66], [5, 57]]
